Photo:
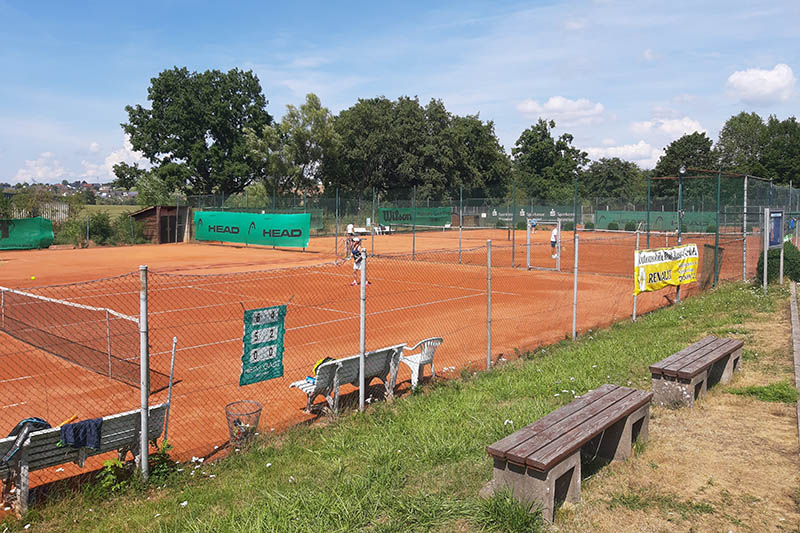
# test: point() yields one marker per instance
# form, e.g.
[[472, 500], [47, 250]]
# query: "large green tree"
[[781, 152], [613, 178], [692, 151], [544, 166], [740, 144], [294, 152], [193, 133]]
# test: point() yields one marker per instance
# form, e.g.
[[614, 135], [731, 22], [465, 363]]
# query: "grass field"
[[417, 464], [112, 210]]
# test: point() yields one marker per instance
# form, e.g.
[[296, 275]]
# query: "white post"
[[362, 335], [108, 344], [3, 306], [528, 243], [575, 294], [781, 267], [765, 238], [744, 232], [634, 295], [488, 304], [169, 392], [558, 246], [144, 372]]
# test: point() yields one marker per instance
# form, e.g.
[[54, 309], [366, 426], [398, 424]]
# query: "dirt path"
[[729, 464]]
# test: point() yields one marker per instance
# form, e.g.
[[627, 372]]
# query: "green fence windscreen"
[[405, 216], [253, 228], [25, 233], [693, 221]]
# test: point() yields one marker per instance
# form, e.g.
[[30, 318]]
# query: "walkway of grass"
[[416, 464]]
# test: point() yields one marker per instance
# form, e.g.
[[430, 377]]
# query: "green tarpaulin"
[[25, 233], [405, 216], [253, 228]]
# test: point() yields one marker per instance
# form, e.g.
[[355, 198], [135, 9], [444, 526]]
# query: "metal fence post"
[[372, 222], [488, 304], [558, 245], [634, 295], [765, 238], [363, 329], [144, 373], [514, 226], [575, 294], [108, 344], [460, 219], [336, 246], [716, 235], [744, 233], [414, 223], [528, 242]]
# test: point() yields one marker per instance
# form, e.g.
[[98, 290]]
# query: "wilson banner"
[[405, 216], [253, 228], [662, 267]]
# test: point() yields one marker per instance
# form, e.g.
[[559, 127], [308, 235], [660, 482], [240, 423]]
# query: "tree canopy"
[[193, 134], [545, 167]]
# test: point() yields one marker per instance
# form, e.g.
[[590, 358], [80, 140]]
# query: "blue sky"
[[624, 77]]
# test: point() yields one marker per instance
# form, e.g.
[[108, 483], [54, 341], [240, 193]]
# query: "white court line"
[[19, 378], [13, 405]]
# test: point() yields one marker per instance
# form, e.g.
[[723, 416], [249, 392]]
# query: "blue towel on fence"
[[82, 434]]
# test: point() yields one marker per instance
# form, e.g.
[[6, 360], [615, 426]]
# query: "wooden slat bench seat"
[[120, 432], [684, 377], [542, 462]]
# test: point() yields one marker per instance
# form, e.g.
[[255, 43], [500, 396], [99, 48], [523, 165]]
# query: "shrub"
[[630, 225], [522, 224], [588, 226], [122, 226], [791, 263], [73, 231], [613, 225], [711, 229], [567, 226], [100, 231]]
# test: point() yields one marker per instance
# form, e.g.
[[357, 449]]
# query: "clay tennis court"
[[198, 292]]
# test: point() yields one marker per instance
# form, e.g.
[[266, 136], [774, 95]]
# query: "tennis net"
[[95, 338]]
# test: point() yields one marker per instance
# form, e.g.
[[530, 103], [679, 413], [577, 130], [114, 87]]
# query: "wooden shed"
[[164, 223]]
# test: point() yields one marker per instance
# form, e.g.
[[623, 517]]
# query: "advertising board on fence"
[[253, 228], [262, 356], [405, 216], [662, 267]]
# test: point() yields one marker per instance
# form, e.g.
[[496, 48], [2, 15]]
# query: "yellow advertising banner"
[[662, 267]]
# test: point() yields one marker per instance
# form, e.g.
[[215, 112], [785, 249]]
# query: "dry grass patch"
[[729, 464]]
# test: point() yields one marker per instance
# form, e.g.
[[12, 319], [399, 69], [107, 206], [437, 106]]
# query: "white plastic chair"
[[416, 361]]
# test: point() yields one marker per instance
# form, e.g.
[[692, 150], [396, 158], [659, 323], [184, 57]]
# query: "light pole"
[[681, 172]]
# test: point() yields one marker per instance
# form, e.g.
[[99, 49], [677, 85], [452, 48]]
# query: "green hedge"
[[791, 264]]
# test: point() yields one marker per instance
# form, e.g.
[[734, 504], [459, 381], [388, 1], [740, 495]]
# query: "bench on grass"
[[684, 377], [119, 433], [541, 463], [333, 374]]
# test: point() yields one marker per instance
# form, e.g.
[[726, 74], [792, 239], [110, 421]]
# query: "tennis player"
[[554, 241], [358, 260]]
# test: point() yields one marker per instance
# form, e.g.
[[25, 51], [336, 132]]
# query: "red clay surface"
[[197, 292]]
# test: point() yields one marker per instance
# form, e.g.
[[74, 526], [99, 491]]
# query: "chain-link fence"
[[73, 349]]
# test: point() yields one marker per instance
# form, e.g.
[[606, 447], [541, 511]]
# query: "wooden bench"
[[119, 433], [541, 463], [380, 364], [684, 377]]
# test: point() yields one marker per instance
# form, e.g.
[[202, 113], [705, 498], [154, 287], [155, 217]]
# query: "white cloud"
[[563, 110], [759, 86], [105, 170], [575, 24], [642, 153], [45, 169], [608, 141], [94, 147], [648, 55], [672, 128]]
